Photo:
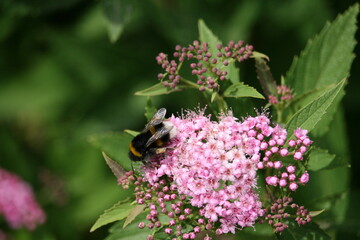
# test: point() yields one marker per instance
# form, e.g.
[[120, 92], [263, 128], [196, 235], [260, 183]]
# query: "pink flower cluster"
[[17, 202], [287, 176], [278, 213], [162, 198], [214, 164], [204, 65], [208, 176], [283, 94]]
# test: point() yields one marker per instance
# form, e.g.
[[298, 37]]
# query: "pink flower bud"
[[268, 153], [282, 182], [303, 149], [280, 142], [270, 164], [293, 186], [291, 169], [284, 175], [272, 142], [284, 152], [292, 177], [263, 145], [304, 178], [260, 165], [277, 164], [292, 143], [307, 142], [298, 156], [274, 149], [141, 225], [255, 157], [272, 180]]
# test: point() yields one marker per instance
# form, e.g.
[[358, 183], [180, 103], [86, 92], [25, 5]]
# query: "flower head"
[[17, 202], [208, 68], [209, 173]]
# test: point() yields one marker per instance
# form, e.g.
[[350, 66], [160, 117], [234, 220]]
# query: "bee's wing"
[[158, 134], [156, 119]]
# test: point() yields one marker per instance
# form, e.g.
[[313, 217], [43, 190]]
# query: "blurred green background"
[[64, 78]]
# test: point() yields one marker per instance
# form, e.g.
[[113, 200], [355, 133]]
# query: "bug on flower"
[[152, 139]]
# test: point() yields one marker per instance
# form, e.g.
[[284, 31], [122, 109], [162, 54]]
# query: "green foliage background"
[[68, 70]]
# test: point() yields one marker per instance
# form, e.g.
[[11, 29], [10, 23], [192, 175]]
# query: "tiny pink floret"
[[304, 178], [293, 186]]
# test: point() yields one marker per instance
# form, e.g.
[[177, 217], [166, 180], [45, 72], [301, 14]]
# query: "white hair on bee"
[[171, 126]]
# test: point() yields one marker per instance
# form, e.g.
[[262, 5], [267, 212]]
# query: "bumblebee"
[[152, 139]]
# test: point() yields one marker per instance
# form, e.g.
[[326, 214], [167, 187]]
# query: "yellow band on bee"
[[159, 142], [133, 151], [152, 130]]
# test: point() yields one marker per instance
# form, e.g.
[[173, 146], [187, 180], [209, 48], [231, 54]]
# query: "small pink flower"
[[168, 230], [291, 169], [277, 164], [293, 186], [284, 152], [292, 143], [272, 180], [298, 156], [284, 175], [300, 133], [304, 178], [260, 165], [306, 141], [292, 177], [282, 182]]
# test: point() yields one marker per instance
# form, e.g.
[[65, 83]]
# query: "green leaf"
[[206, 35], [323, 125], [238, 90], [150, 109], [131, 132], [213, 96], [337, 141], [242, 19], [131, 232], [117, 212], [156, 90], [319, 159], [308, 231], [308, 117], [259, 55], [265, 77], [116, 145], [305, 98], [138, 209], [316, 213], [117, 14], [233, 73], [327, 58], [117, 170]]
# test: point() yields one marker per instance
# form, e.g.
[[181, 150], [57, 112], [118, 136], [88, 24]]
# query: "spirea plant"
[[230, 172]]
